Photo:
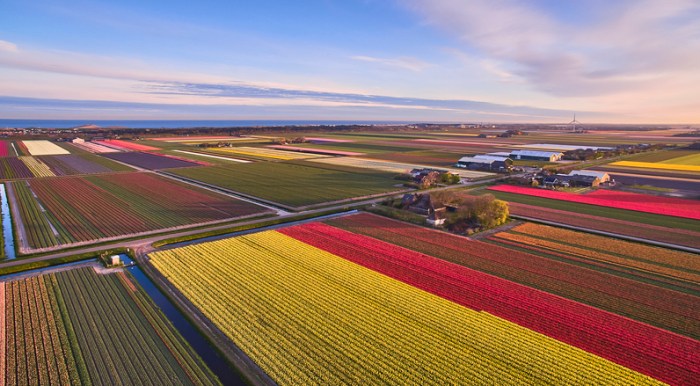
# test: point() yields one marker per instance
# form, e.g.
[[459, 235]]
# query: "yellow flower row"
[[267, 153], [309, 317], [657, 165], [38, 168]]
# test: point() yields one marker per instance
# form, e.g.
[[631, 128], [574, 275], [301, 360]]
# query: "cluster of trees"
[[471, 213]]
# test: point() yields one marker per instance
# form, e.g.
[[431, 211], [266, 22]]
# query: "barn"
[[535, 155], [485, 162]]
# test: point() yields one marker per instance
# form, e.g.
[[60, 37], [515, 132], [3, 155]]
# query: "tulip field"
[[77, 327], [5, 149], [658, 165], [94, 147], [625, 255], [13, 167], [615, 199], [80, 162], [43, 147], [314, 151], [264, 153], [125, 145], [59, 211], [150, 161], [371, 312], [37, 167], [628, 228], [633, 296]]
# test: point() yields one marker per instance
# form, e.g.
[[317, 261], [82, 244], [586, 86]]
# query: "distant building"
[[78, 140], [485, 162], [602, 176], [535, 155]]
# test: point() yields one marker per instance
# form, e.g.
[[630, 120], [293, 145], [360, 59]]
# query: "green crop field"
[[620, 214], [293, 184], [690, 159], [661, 156], [77, 327]]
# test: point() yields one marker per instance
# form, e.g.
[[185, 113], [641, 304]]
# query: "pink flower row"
[[676, 207], [126, 145]]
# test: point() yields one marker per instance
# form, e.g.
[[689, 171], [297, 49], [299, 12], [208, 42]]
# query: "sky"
[[615, 61]]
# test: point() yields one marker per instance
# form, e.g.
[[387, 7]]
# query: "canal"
[[227, 374], [8, 237]]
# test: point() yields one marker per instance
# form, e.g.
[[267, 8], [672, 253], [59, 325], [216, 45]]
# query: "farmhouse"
[[566, 180], [602, 176], [534, 155], [421, 204], [485, 162]]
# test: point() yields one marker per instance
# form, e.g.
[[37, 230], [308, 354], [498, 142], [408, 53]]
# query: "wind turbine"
[[573, 123]]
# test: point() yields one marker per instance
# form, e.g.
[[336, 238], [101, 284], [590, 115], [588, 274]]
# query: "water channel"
[[7, 235], [226, 373]]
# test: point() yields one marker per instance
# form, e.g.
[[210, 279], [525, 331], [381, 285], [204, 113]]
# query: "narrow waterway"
[[226, 373], [7, 235]]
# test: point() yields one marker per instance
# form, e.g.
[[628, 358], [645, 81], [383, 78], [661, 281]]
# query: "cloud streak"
[[288, 104], [405, 63], [349, 99]]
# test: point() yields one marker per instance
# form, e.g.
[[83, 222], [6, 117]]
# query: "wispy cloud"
[[8, 46], [633, 46], [405, 63]]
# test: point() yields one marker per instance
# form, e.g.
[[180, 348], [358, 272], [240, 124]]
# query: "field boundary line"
[[610, 234]]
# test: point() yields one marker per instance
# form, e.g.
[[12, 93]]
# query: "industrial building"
[[485, 162], [602, 176]]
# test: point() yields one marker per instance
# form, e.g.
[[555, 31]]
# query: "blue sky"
[[617, 61]]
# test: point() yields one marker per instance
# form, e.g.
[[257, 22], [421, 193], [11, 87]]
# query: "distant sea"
[[171, 124]]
